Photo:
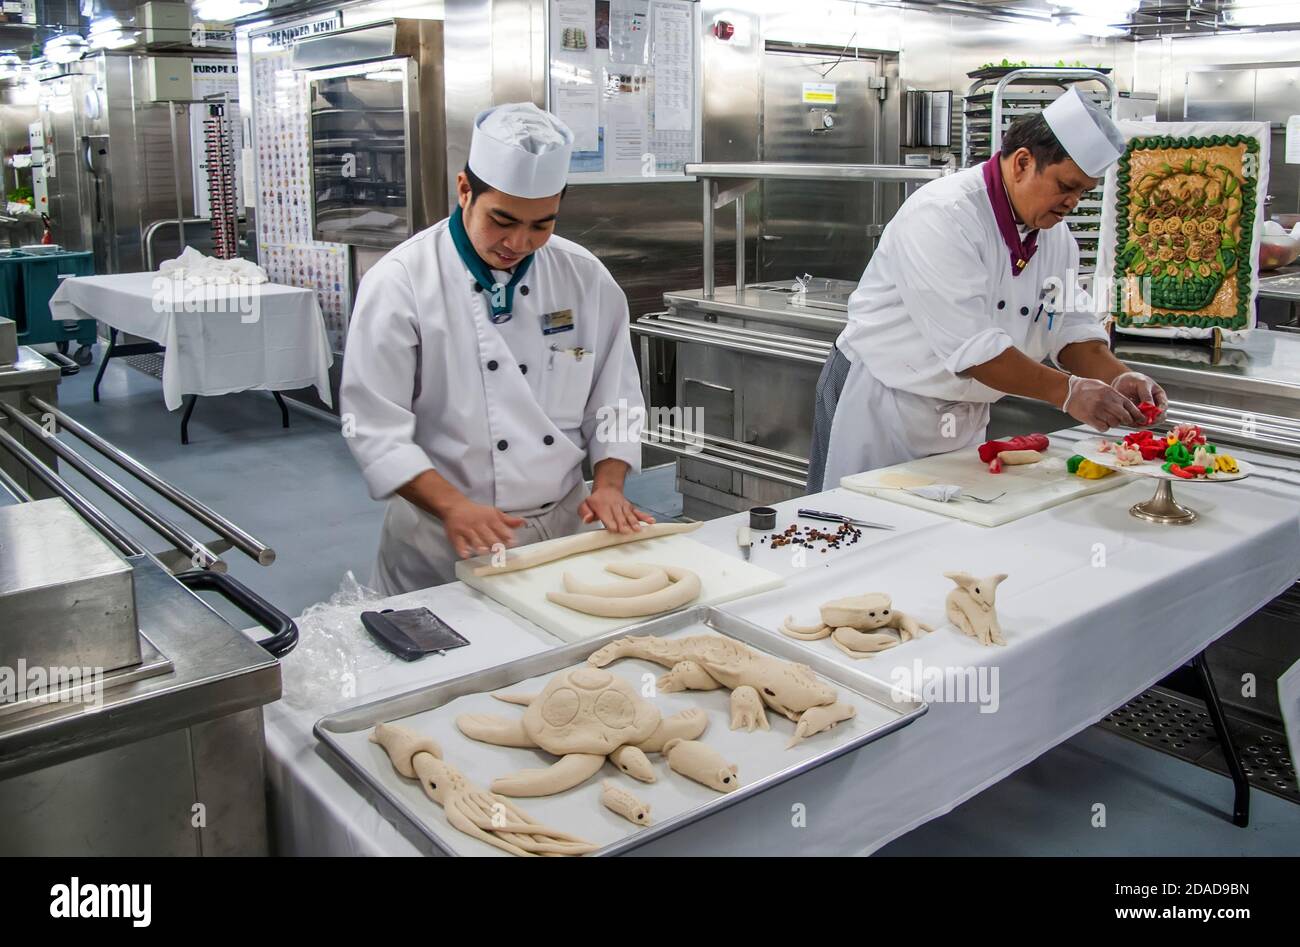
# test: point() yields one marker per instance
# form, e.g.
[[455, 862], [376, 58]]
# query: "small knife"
[[840, 518], [744, 542]]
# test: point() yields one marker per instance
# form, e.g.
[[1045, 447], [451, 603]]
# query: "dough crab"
[[583, 715], [849, 621], [705, 662]]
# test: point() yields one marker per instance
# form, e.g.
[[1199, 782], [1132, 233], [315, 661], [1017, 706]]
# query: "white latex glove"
[[1139, 388], [1100, 406]]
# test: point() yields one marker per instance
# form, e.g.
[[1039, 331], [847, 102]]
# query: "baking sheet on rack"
[[760, 756]]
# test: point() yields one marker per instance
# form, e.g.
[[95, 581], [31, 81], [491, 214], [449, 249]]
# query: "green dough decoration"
[[1072, 465]]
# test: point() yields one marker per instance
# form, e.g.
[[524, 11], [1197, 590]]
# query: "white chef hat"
[[521, 150], [1085, 132]]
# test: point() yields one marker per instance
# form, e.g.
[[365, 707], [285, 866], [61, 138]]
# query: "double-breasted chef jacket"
[[937, 298], [506, 411]]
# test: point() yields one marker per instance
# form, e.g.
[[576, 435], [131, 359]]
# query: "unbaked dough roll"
[[540, 553], [684, 590]]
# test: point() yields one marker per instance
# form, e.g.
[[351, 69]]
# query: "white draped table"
[[1098, 606], [218, 338]]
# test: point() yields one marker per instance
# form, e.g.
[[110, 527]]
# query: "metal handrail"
[[97, 520], [200, 554], [180, 222], [675, 447], [14, 488], [240, 539]]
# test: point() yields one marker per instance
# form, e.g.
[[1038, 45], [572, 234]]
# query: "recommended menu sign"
[[625, 77]]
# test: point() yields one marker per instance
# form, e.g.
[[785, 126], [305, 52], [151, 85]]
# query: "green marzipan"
[[1123, 177]]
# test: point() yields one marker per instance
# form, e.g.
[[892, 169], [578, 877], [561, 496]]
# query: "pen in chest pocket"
[[578, 353]]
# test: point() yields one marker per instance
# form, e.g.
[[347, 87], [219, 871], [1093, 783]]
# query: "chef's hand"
[[473, 528], [1139, 388], [608, 505], [1100, 406]]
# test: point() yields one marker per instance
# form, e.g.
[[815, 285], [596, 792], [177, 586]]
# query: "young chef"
[[971, 288], [486, 359]]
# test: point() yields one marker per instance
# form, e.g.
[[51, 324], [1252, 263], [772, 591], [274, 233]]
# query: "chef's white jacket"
[[506, 413], [938, 298]]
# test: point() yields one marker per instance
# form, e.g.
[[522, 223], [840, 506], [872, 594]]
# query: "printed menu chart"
[[281, 147]]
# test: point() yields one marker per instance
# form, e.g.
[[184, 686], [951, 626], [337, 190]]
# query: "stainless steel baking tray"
[[675, 801]]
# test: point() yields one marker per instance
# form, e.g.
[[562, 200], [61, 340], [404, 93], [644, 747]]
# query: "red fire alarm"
[[724, 30]]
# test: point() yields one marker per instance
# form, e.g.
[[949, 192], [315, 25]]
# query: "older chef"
[[486, 360], [971, 288]]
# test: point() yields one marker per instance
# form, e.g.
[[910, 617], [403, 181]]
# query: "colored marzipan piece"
[[1225, 464], [1081, 466], [990, 449], [1179, 279], [1149, 411], [1178, 471], [1177, 453]]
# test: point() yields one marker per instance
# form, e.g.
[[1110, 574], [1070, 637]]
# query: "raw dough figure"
[[582, 716], [541, 553], [970, 606], [652, 581], [747, 710], [483, 815], [622, 802], [685, 589], [847, 620], [701, 763], [788, 688]]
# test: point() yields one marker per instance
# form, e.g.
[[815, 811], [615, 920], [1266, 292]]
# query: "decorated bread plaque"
[[1181, 227]]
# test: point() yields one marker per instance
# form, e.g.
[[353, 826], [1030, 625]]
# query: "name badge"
[[560, 321]]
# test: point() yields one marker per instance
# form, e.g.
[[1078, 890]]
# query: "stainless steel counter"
[[170, 760]]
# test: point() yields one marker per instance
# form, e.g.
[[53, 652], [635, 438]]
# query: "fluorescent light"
[[386, 75], [108, 33], [1262, 13], [1110, 11], [1093, 26], [65, 48], [223, 11]]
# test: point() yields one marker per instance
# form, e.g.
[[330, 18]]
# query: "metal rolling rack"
[[165, 711], [748, 355], [1000, 95]]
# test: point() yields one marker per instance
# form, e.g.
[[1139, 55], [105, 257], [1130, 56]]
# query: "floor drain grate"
[[1181, 727], [151, 365]]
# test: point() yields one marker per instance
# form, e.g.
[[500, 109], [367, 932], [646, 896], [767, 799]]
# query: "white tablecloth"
[[219, 339], [1098, 606]]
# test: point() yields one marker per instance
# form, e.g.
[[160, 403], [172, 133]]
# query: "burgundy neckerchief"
[[1022, 251]]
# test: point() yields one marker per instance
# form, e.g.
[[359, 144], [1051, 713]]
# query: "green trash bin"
[[27, 281]]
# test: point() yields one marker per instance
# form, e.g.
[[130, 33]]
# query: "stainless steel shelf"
[[789, 171]]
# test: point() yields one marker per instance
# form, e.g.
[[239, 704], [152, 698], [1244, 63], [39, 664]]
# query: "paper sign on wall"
[[819, 93], [1293, 140]]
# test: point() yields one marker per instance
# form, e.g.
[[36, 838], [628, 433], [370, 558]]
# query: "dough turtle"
[[583, 715]]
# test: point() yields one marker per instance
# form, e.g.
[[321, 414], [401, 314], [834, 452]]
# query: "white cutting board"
[[1030, 488], [722, 578]]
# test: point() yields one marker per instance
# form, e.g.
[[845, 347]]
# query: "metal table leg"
[[190, 402], [1195, 681], [103, 362], [284, 409]]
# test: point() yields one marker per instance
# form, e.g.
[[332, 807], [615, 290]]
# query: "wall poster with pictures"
[[625, 77], [283, 176]]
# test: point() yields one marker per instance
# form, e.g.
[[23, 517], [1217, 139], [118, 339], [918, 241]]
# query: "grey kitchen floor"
[[299, 491]]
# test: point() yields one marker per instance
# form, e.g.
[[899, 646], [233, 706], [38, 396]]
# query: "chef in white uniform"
[[486, 360], [972, 287]]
